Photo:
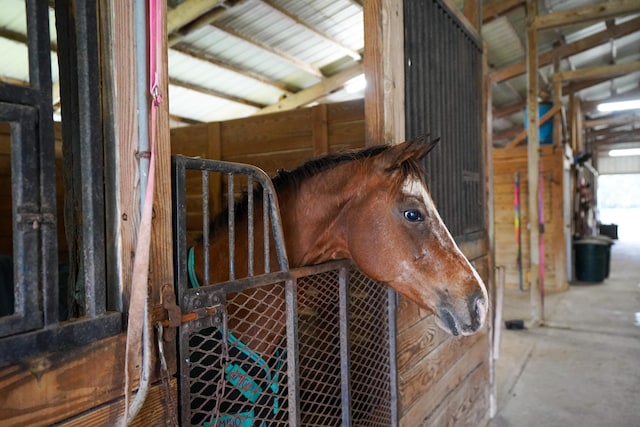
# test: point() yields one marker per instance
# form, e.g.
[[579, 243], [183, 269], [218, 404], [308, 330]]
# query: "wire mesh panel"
[[345, 374]]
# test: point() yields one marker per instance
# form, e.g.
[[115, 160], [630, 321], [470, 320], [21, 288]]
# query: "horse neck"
[[313, 216]]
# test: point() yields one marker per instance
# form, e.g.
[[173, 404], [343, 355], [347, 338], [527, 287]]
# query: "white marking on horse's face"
[[415, 187]]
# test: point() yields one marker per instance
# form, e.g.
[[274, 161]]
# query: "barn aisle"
[[583, 367]]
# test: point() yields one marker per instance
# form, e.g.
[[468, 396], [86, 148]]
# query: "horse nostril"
[[479, 306]]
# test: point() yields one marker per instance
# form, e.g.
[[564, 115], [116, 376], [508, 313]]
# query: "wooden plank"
[[468, 404], [426, 373], [597, 12], [151, 412], [454, 382], [605, 71], [320, 130]]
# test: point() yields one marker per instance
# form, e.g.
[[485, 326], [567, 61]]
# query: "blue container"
[[546, 130]]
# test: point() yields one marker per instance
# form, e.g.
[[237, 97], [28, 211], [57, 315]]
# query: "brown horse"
[[370, 206]]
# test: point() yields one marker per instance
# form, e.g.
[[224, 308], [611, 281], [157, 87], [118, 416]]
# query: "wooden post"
[[558, 206], [533, 161], [384, 72]]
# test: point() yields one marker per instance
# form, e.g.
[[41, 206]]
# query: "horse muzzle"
[[464, 316]]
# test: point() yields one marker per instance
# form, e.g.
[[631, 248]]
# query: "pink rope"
[[138, 305]]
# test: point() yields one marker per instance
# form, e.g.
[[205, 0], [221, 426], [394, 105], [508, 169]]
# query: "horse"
[[369, 206]]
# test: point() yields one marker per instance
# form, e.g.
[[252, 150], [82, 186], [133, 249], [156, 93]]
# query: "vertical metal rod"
[[231, 208], [205, 224], [265, 222], [293, 393], [345, 383], [393, 351], [250, 225]]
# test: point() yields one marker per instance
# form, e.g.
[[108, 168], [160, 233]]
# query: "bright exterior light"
[[619, 106], [356, 84], [625, 152]]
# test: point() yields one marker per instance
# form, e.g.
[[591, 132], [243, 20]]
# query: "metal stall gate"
[[308, 346]]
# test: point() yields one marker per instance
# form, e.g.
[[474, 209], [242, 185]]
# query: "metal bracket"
[[168, 300]]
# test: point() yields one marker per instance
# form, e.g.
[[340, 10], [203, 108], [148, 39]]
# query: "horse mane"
[[286, 179]]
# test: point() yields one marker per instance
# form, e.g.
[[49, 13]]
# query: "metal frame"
[[35, 326], [213, 299]]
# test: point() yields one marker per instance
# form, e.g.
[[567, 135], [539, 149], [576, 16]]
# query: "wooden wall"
[[506, 162]]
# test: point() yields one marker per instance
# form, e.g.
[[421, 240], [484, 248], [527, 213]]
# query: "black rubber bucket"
[[591, 260]]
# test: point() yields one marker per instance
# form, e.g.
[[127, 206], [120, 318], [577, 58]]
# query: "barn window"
[[53, 278]]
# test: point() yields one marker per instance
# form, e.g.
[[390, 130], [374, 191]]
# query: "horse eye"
[[413, 215]]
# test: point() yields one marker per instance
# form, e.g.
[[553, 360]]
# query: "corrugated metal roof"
[[253, 53]]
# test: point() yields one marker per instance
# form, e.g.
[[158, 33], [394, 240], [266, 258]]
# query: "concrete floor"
[[583, 367]]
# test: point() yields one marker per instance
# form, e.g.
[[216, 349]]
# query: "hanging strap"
[[138, 346]]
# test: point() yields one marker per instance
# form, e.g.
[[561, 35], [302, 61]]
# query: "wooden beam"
[[336, 43], [605, 71], [307, 96], [524, 133], [533, 162], [494, 9], [186, 12], [201, 56], [509, 109], [569, 49], [612, 120], [276, 52], [592, 105], [199, 22], [597, 12], [213, 92], [384, 71]]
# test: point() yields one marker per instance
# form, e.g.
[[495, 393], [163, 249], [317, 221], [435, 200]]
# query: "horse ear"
[[413, 149]]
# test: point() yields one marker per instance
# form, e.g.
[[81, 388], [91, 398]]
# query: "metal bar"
[[181, 278], [27, 313], [393, 351], [205, 225], [232, 226], [265, 222], [345, 383], [293, 392], [40, 79], [250, 227]]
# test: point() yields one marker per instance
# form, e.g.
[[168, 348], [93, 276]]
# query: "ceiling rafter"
[[187, 12], [311, 94], [569, 49], [494, 9], [611, 120], [579, 15], [336, 43], [277, 52], [213, 92], [605, 71], [201, 56]]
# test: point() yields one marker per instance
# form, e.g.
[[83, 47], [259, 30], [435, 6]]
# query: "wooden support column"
[[533, 156], [559, 204], [384, 72]]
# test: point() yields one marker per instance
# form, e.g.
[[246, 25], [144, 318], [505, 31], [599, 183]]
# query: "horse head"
[[394, 215]]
